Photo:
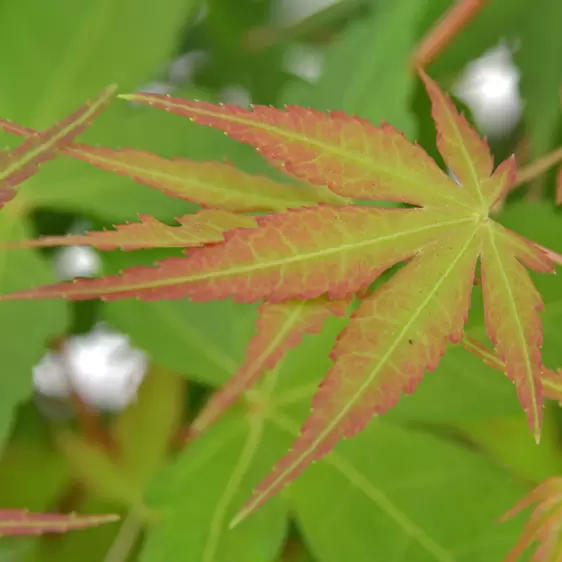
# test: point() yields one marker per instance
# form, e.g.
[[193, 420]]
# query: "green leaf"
[[367, 69], [71, 50], [413, 497], [202, 489], [539, 58], [24, 330], [144, 430]]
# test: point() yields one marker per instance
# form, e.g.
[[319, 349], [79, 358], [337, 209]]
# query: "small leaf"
[[466, 154], [201, 228], [21, 522], [280, 327], [22, 162], [304, 253], [348, 154]]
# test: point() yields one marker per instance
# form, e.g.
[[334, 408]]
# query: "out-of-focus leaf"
[[72, 50], [200, 491], [24, 330], [366, 71], [538, 57], [19, 164], [22, 522], [145, 429], [96, 471]]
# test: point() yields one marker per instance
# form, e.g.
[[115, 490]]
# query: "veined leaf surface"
[[348, 154], [393, 337], [210, 183], [304, 253]]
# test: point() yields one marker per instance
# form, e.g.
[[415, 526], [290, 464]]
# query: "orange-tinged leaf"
[[543, 527], [21, 522], [551, 380], [304, 253], [19, 164], [210, 183], [348, 154], [511, 305], [464, 152], [395, 335], [204, 227], [280, 327]]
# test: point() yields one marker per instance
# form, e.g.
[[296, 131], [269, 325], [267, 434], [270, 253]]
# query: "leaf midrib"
[[260, 266]]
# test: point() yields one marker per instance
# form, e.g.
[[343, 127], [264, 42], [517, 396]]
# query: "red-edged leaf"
[[395, 335], [19, 164], [201, 228], [348, 154], [210, 183], [280, 327], [304, 253], [511, 305], [466, 154], [551, 380], [543, 526], [21, 522]]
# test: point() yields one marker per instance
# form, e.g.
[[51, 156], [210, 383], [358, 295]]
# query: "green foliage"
[[430, 479]]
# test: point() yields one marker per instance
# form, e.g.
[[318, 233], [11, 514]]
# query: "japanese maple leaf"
[[335, 250], [545, 524]]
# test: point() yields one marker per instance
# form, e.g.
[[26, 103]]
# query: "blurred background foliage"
[[94, 397]]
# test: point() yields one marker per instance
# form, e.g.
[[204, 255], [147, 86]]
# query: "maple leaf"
[[545, 524], [19, 164], [22, 522], [204, 227], [401, 329], [280, 327], [211, 184]]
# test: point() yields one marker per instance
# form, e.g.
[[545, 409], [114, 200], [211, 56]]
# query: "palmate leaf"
[[21, 522], [401, 329], [209, 183], [19, 164]]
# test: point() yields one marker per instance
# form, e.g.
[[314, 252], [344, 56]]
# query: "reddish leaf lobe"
[[205, 227], [348, 154]]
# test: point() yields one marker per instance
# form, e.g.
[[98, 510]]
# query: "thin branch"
[[444, 31]]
